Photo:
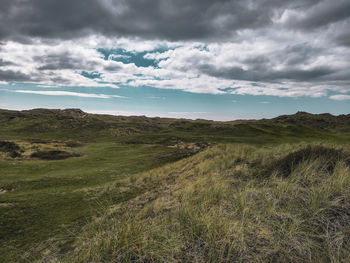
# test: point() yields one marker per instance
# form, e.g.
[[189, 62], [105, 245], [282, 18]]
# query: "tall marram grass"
[[230, 203]]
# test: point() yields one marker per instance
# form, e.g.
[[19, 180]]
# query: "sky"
[[220, 60]]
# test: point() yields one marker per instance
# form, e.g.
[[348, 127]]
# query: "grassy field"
[[95, 188], [45, 199]]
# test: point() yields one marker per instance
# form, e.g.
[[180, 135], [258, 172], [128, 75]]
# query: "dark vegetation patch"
[[53, 155], [329, 156], [10, 148], [73, 144], [41, 141]]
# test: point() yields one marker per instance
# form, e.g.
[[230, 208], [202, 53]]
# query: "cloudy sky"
[[178, 58]]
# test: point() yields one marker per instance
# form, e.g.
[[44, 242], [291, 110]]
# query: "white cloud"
[[340, 97], [181, 67], [69, 93], [156, 98], [114, 56]]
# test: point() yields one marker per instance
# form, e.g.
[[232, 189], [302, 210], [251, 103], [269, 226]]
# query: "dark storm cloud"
[[165, 19], [344, 39], [322, 14], [9, 75]]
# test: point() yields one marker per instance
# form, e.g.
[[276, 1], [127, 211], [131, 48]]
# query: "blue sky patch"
[[127, 57], [150, 101], [91, 75], [228, 90]]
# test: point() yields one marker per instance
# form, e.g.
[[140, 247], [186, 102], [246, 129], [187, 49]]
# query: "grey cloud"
[[54, 62], [344, 39], [298, 54], [260, 68], [9, 75], [267, 75], [112, 67], [340, 75], [166, 19], [221, 21], [322, 14], [5, 63], [258, 62], [62, 61]]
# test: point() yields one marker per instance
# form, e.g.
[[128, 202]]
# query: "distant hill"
[[322, 122], [78, 125]]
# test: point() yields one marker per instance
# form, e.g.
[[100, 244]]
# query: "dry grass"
[[230, 203]]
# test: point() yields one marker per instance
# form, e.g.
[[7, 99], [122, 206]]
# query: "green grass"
[[47, 199]]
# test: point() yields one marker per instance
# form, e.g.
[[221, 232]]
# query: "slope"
[[230, 203]]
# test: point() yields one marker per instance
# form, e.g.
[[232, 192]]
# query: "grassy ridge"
[[73, 124], [216, 207]]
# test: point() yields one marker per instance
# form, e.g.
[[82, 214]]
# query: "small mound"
[[329, 156], [53, 155]]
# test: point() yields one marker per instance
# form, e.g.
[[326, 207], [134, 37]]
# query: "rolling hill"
[[79, 187]]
